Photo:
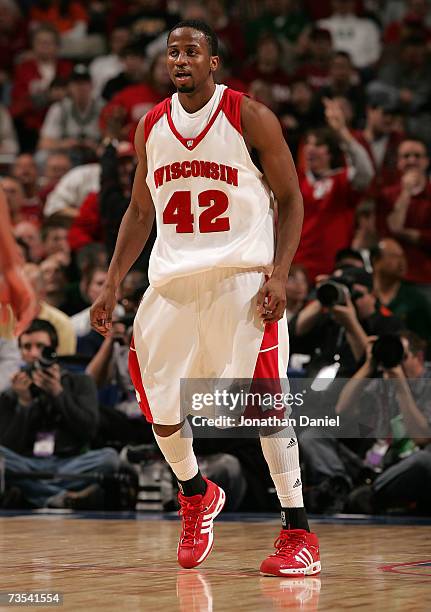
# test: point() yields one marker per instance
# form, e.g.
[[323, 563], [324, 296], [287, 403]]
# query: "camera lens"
[[388, 351]]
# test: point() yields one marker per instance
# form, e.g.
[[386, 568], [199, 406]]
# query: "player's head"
[[192, 55]]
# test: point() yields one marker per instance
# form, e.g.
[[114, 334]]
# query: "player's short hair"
[[40, 325], [200, 26]]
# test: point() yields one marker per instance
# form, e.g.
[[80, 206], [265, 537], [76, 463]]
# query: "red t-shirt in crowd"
[[137, 100], [86, 227], [418, 217], [27, 83], [328, 220]]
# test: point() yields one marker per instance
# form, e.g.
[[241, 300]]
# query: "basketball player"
[[210, 312], [17, 300]]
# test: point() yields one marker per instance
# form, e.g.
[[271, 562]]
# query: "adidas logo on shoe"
[[298, 483]]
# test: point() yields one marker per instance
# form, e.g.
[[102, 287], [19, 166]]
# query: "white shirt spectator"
[[357, 36], [64, 121], [104, 68], [72, 188]]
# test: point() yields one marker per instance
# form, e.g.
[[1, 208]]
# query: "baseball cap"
[[80, 72]]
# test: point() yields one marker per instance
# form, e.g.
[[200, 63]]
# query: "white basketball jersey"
[[213, 208]]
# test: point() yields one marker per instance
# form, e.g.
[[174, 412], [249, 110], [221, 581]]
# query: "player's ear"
[[214, 63]]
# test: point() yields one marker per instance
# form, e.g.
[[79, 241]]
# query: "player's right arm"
[[133, 233]]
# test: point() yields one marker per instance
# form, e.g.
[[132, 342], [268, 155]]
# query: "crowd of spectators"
[[350, 81]]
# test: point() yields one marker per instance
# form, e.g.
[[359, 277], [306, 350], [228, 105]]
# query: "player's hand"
[[271, 300], [101, 311]]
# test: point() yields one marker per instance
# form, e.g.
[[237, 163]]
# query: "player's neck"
[[192, 102]]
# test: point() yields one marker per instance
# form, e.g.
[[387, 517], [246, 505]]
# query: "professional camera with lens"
[[48, 358], [333, 291], [388, 351]]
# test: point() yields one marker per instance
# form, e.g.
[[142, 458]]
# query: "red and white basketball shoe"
[[296, 554], [198, 514]]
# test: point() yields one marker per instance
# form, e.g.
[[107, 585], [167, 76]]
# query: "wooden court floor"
[[129, 565]]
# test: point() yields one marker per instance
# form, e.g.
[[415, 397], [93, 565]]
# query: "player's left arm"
[[262, 131]]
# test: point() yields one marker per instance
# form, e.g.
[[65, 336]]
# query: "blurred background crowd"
[[350, 82]]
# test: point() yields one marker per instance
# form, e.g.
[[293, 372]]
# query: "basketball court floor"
[[127, 562]]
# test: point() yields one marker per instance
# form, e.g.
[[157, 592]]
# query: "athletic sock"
[[194, 486], [281, 454], [294, 518], [177, 449]]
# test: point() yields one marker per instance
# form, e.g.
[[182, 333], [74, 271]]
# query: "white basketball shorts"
[[202, 326]]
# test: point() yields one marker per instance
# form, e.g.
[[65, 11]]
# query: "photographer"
[[334, 327], [47, 420], [401, 404]]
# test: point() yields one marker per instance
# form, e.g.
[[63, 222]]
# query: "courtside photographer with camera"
[[48, 416]]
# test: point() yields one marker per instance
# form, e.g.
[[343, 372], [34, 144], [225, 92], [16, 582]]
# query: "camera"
[[48, 357], [388, 351], [333, 291]]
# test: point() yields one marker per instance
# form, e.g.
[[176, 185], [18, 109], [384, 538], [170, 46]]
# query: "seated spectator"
[[9, 146], [71, 190], [30, 234], [416, 20], [57, 164], [296, 291], [315, 66], [132, 72], [267, 68], [406, 79], [32, 79], [404, 300], [48, 419], [302, 113], [357, 36], [55, 281], [109, 66], [25, 170], [94, 283], [54, 240], [61, 322], [283, 20], [136, 100], [404, 211], [13, 36], [16, 201], [400, 404], [344, 82], [73, 123], [330, 192]]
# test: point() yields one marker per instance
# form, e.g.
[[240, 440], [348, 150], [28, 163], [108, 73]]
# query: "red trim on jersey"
[[135, 375], [154, 115], [267, 360], [232, 108], [192, 143], [266, 378]]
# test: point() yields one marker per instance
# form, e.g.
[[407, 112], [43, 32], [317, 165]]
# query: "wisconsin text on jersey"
[[195, 168]]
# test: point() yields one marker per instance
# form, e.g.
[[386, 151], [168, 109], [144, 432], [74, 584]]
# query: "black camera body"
[[47, 359], [333, 291], [388, 351]]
